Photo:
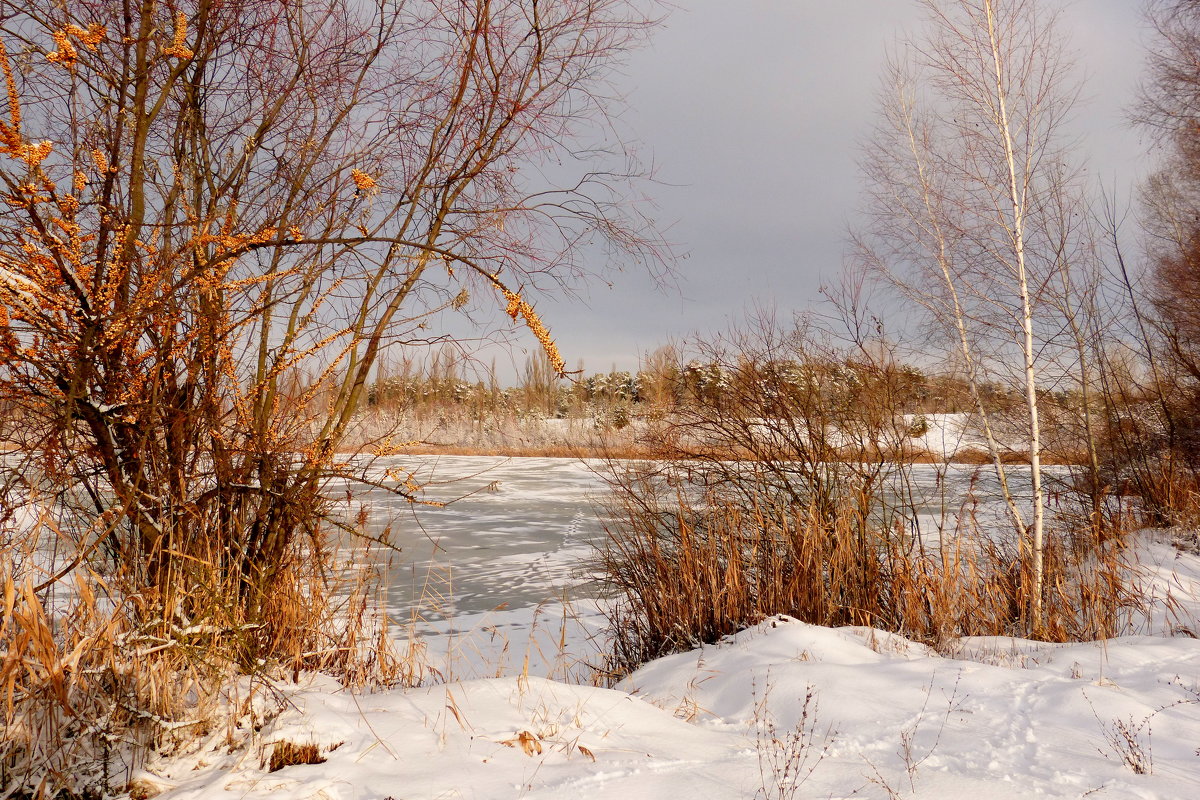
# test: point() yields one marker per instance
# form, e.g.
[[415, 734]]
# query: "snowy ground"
[[847, 713], [887, 718]]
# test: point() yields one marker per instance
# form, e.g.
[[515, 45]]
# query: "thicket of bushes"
[[799, 497]]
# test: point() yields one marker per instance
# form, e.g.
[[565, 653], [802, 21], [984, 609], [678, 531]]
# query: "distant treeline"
[[665, 382]]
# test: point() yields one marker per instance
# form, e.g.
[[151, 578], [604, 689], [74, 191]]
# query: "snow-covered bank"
[[855, 712], [888, 718]]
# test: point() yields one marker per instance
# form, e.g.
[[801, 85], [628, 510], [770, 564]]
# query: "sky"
[[754, 114]]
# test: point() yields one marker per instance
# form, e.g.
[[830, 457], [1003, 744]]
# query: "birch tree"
[[969, 151]]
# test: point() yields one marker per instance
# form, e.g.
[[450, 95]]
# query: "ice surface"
[[514, 533]]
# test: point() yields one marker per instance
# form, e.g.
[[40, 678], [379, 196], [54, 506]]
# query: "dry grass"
[[787, 493], [90, 684], [687, 571], [640, 451], [85, 688], [458, 431], [289, 754], [1172, 492], [454, 431], [632, 451]]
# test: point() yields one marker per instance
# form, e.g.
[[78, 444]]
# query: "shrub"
[[689, 569]]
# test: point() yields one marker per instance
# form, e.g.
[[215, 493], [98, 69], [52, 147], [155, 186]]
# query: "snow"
[[512, 713], [885, 717], [1031, 724], [1168, 576], [1004, 719], [946, 434]]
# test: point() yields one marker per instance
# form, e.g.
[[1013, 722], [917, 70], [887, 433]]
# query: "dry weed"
[[288, 754], [788, 758], [691, 568]]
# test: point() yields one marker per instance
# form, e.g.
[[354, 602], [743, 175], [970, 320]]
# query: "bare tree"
[[1169, 110], [222, 213], [968, 184]]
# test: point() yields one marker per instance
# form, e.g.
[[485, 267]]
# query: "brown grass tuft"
[[92, 683], [288, 754]]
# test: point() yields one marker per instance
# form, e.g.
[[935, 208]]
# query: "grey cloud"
[[754, 112]]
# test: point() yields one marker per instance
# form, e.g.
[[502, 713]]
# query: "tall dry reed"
[[95, 676], [688, 570]]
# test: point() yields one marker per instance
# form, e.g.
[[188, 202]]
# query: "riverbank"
[[915, 439], [782, 710]]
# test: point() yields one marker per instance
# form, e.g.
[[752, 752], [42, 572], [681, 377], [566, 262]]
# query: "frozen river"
[[517, 532], [498, 579], [514, 532]]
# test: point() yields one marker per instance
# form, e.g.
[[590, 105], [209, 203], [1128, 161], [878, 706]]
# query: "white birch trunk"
[[1017, 233], [960, 324]]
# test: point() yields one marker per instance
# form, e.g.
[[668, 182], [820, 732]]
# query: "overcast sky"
[[754, 113]]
